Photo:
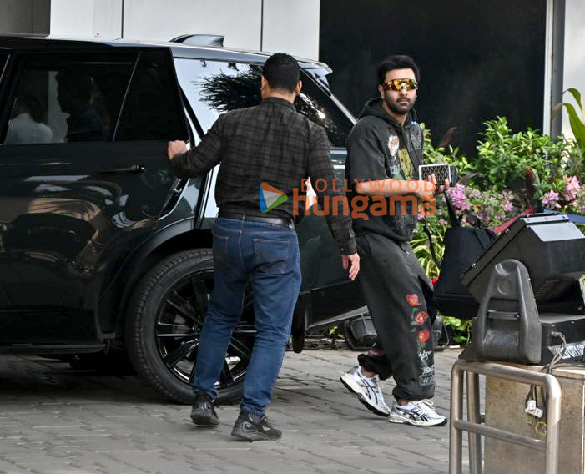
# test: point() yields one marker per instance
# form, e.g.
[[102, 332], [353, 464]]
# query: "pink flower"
[[508, 206], [550, 200], [572, 188], [573, 183]]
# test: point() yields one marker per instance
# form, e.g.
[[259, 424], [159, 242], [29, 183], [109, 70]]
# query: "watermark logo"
[[386, 203], [270, 197], [390, 200]]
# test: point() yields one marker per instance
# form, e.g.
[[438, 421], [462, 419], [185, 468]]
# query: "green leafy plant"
[[461, 329], [505, 159], [512, 172], [439, 154], [422, 248], [577, 123], [575, 161]]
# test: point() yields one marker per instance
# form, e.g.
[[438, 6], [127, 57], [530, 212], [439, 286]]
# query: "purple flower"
[[458, 198], [550, 200], [508, 206]]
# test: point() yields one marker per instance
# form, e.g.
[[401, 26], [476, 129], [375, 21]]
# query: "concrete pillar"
[[291, 27], [574, 58], [72, 18], [238, 20], [25, 16], [267, 25], [108, 18]]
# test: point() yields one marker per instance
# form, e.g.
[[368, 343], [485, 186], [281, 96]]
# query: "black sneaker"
[[203, 413], [251, 427]]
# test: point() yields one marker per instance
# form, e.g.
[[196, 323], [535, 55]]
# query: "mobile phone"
[[442, 172]]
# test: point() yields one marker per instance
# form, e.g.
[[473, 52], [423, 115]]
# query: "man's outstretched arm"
[[200, 159]]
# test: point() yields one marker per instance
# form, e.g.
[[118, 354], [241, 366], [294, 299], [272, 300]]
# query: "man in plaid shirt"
[[271, 147]]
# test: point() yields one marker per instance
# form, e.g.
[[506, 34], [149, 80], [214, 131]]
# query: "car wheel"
[[164, 322]]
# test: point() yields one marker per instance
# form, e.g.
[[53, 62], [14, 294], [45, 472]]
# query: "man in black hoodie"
[[385, 149]]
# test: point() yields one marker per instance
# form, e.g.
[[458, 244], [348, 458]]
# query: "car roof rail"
[[215, 41]]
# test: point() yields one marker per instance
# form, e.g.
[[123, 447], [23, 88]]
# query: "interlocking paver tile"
[[54, 420]]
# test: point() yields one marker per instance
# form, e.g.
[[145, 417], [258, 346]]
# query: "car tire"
[[164, 320]]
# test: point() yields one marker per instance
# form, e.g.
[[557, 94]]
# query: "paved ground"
[[54, 420]]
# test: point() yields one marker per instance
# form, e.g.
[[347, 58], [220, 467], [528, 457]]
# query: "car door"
[[331, 295], [84, 176], [213, 87]]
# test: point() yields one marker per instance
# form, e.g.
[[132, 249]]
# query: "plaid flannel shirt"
[[269, 143]]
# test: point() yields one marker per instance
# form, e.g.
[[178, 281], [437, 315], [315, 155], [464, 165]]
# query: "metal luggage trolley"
[[531, 308], [474, 425]]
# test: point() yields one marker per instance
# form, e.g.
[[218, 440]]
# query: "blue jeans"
[[268, 256]]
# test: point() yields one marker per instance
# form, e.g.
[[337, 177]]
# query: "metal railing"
[[476, 429]]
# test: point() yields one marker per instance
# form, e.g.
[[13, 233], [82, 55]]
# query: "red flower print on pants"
[[412, 299], [421, 318], [423, 336]]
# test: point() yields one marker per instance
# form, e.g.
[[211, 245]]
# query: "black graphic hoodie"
[[378, 147]]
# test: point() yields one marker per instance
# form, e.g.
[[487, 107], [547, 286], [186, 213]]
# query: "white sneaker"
[[367, 390], [419, 413]]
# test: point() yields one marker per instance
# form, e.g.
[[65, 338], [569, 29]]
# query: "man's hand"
[[426, 189], [443, 188], [177, 147], [353, 262]]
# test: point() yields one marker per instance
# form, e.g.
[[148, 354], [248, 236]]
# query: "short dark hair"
[[282, 72], [397, 61]]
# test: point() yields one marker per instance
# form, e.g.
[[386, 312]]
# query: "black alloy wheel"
[[165, 322]]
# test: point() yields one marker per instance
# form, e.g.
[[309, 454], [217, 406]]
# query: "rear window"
[[59, 100], [152, 107], [87, 98]]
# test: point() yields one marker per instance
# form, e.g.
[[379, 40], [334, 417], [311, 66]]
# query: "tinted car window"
[[67, 100], [213, 87], [318, 106], [3, 58], [152, 108]]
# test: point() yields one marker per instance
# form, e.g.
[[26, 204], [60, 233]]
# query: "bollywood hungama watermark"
[[305, 198]]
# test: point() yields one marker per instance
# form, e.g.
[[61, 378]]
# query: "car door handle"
[[126, 169]]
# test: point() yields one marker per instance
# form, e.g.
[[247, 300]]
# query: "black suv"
[[101, 247]]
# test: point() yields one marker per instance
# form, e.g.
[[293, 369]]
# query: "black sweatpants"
[[399, 298]]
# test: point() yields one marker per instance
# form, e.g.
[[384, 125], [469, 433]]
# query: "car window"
[[213, 87], [72, 99], [3, 59], [319, 107], [152, 108]]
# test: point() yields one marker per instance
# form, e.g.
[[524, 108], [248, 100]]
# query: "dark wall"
[[479, 59]]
